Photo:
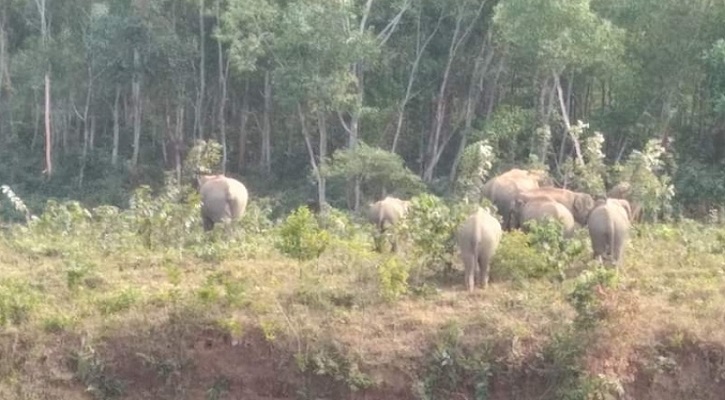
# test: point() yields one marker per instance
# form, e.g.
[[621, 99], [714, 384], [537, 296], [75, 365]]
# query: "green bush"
[[589, 294], [301, 236], [431, 225], [17, 301], [392, 278]]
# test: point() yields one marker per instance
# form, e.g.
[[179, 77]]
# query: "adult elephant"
[[223, 199], [579, 204], [609, 226], [541, 208], [478, 238], [503, 189], [385, 213], [623, 190]]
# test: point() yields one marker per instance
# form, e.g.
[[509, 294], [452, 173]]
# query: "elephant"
[[541, 208], [385, 213], [478, 238], [623, 190], [222, 199], [579, 204], [609, 226], [503, 189]]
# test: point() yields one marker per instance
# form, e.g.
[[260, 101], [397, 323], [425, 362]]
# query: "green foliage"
[[542, 252], [204, 157], [301, 236], [119, 301], [587, 40], [589, 177], [518, 260], [589, 293], [17, 301], [474, 169], [332, 361], [376, 169], [392, 278], [508, 130], [90, 370], [454, 368], [431, 225], [166, 219], [651, 185]]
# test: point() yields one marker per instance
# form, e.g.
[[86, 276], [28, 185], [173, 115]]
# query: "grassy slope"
[[167, 324]]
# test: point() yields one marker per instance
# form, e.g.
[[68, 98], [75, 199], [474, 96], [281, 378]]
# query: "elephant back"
[[223, 197]]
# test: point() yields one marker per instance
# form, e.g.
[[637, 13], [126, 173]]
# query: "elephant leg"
[[208, 224], [484, 265], [469, 260]]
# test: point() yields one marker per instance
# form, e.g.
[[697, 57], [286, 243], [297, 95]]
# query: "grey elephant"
[[478, 238], [623, 190], [503, 189], [223, 199], [541, 208], [609, 226], [579, 204], [384, 214]]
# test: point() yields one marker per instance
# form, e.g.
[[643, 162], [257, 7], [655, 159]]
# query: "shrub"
[[392, 278], [589, 294], [431, 225], [301, 236], [17, 301]]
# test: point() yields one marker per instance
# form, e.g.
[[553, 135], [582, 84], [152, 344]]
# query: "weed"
[[392, 278], [120, 301], [17, 301], [219, 389], [91, 371]]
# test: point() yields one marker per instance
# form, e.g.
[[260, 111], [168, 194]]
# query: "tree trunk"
[[136, 93], [86, 127], [419, 51], [266, 126], [567, 124], [223, 74], [243, 118], [48, 137], [178, 138], [116, 128], [36, 123], [199, 115], [475, 88], [322, 125], [313, 163], [436, 144]]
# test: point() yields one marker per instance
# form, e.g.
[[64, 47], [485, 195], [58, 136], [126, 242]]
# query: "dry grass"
[[144, 311]]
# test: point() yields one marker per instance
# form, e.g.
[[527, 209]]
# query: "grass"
[[119, 320]]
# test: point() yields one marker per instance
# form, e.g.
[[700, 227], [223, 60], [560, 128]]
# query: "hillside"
[[90, 312]]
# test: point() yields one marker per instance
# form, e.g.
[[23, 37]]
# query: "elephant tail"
[[612, 234]]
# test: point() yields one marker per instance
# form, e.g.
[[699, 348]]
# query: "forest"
[[117, 116], [97, 98]]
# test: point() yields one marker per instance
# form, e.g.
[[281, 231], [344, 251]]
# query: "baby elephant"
[[384, 214], [478, 237], [608, 225], [540, 209]]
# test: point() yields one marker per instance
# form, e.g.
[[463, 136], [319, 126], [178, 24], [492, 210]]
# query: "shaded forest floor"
[[80, 321]]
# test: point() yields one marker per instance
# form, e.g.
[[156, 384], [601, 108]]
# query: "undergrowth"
[[316, 290]]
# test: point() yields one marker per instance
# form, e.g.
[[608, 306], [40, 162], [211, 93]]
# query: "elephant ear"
[[583, 205]]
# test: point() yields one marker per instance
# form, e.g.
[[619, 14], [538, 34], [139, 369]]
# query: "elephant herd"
[[519, 196]]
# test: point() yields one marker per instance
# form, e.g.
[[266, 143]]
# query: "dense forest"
[[97, 97]]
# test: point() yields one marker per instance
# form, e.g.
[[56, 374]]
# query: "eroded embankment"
[[196, 361]]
